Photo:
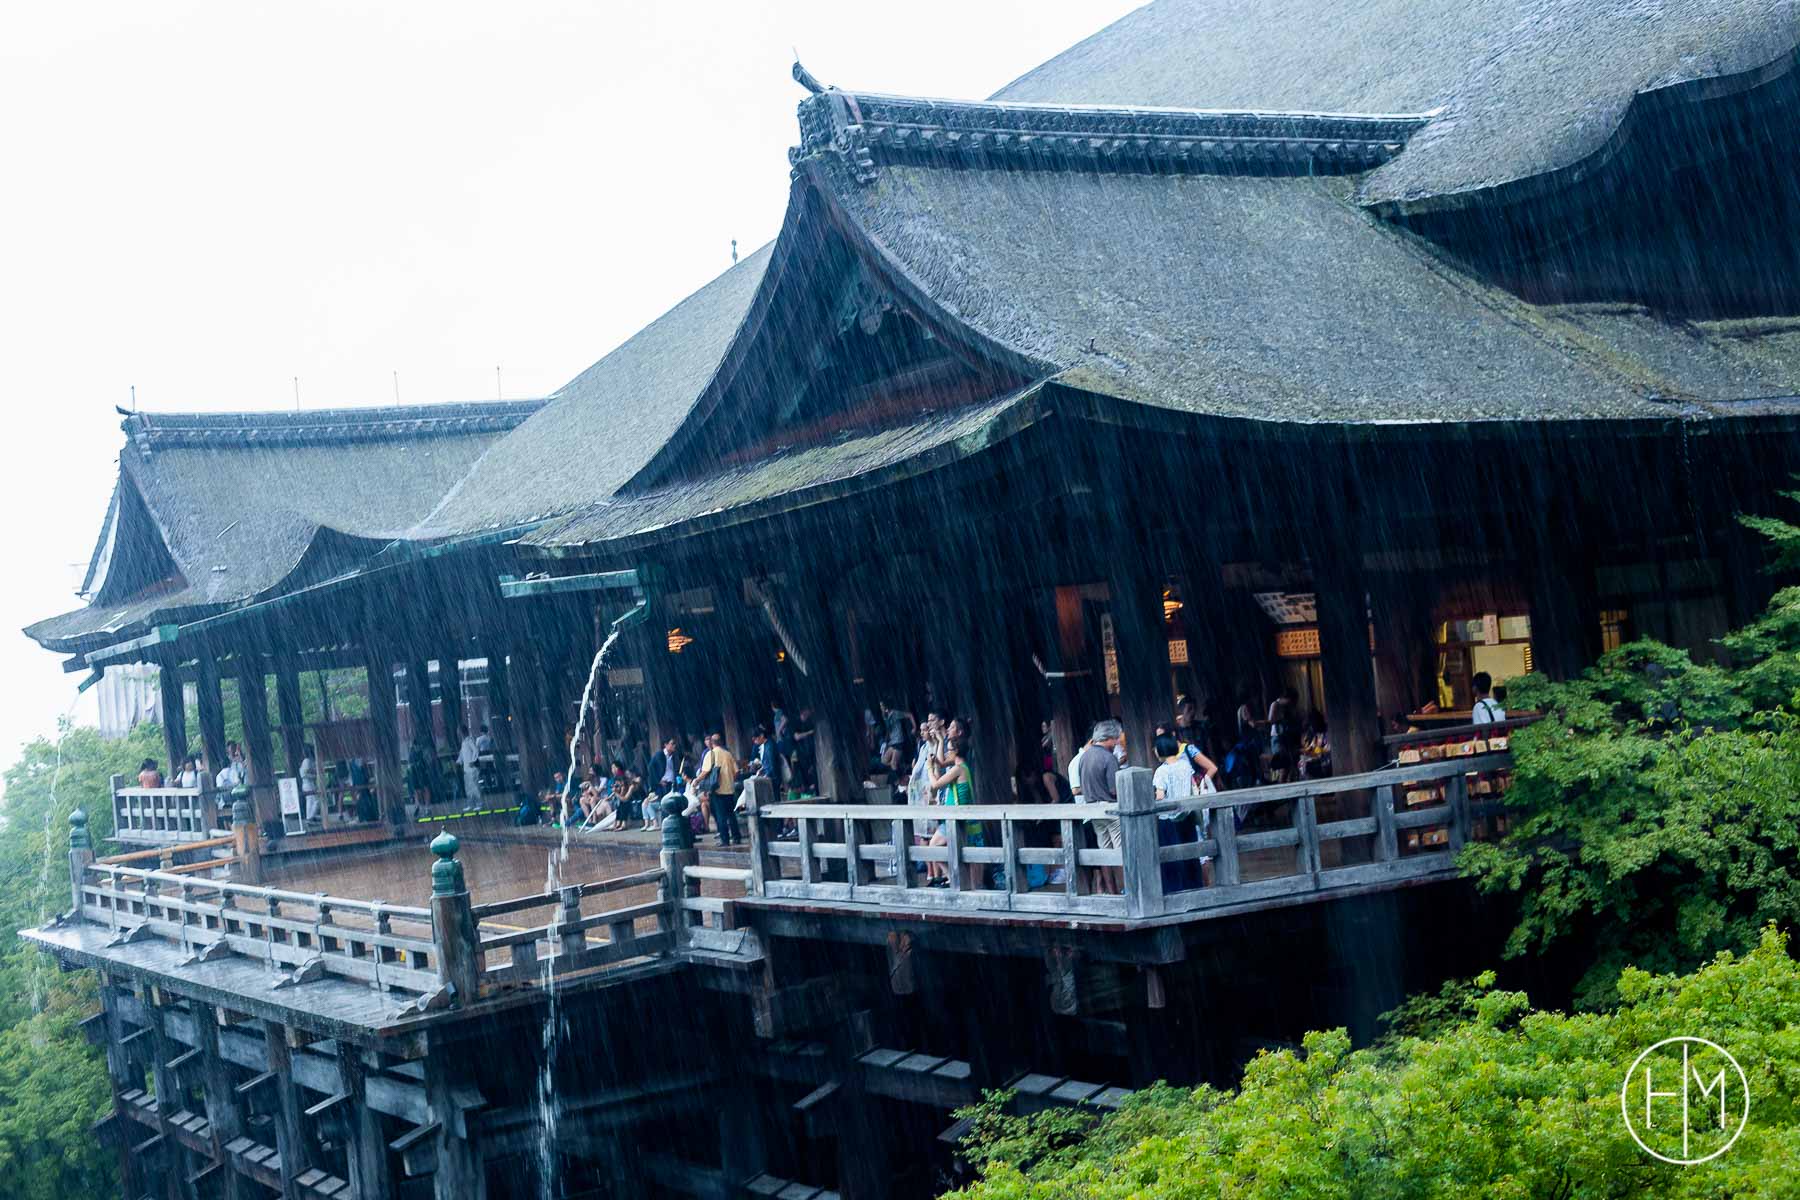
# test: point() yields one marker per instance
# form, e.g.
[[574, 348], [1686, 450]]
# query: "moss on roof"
[[1525, 86]]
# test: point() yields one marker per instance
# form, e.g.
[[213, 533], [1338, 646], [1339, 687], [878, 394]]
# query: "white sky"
[[208, 199]]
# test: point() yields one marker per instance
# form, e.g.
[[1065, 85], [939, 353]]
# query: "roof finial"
[[805, 78], [734, 250]]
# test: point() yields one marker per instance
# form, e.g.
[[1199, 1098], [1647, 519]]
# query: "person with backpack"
[[1487, 709]]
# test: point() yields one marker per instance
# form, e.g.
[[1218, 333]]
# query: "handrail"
[[160, 851], [374, 908], [1277, 793], [1454, 732], [1373, 831]]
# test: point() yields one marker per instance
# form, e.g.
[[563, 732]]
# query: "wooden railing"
[[165, 815], [561, 945], [453, 951], [308, 935], [1316, 836]]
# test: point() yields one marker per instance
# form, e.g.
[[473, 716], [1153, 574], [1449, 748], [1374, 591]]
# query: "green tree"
[[1655, 811], [1507, 1103], [52, 1083]]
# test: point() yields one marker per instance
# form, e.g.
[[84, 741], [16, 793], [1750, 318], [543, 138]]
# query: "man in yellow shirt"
[[722, 768]]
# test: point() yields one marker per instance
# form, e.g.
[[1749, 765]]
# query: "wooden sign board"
[[293, 818]]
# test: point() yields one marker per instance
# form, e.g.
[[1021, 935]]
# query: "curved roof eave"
[[1643, 107]]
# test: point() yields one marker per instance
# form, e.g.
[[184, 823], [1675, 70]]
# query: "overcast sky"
[[205, 200]]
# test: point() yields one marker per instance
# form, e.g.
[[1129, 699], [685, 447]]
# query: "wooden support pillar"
[[169, 1100], [384, 723], [174, 713], [1400, 611], [500, 705], [224, 1108], [1060, 663], [1559, 581], [461, 1174], [529, 719], [253, 703], [817, 635], [290, 1130], [450, 696], [211, 703], [365, 1140], [1342, 598], [120, 1078], [291, 713], [418, 701], [987, 677], [1145, 698]]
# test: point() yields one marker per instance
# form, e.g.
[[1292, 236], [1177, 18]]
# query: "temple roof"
[[1522, 88], [219, 508], [600, 428]]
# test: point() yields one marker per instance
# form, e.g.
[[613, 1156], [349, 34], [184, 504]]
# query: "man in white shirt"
[[309, 783], [469, 757], [1487, 709]]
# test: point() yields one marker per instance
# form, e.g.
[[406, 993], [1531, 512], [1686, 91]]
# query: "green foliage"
[[1656, 809], [1506, 1103], [1427, 1015], [52, 1083]]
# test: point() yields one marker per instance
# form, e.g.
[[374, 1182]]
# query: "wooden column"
[[174, 713], [291, 712], [390, 777], [224, 1108], [817, 634], [119, 1077], [529, 688], [1145, 699], [253, 703], [500, 705], [984, 673], [212, 711], [450, 696], [169, 1102], [418, 701], [290, 1131], [365, 1150], [1400, 611], [1355, 725], [461, 1173], [1559, 580]]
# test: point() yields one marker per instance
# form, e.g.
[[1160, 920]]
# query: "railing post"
[[81, 853], [453, 924], [1387, 839], [678, 854], [121, 822], [246, 838], [570, 939], [207, 805], [1138, 842], [1225, 868], [1456, 791], [759, 793], [1306, 826]]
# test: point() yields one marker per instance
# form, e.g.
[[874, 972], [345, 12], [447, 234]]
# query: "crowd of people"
[[927, 761]]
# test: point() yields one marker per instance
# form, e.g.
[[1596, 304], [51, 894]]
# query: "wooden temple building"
[[1353, 348]]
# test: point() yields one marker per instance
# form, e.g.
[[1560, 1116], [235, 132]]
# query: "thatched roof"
[[213, 509], [1525, 87], [600, 428]]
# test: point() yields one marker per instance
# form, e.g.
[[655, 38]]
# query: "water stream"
[[559, 858]]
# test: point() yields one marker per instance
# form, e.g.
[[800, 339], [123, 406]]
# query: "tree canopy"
[[52, 1083], [1655, 811], [1501, 1101]]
